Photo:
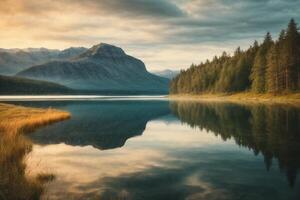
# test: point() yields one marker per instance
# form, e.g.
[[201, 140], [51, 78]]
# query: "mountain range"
[[104, 68], [15, 60], [167, 73]]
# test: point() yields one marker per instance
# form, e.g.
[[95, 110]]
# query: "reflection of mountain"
[[104, 125], [273, 131]]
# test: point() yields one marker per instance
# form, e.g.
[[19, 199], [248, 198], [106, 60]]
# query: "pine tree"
[[281, 61], [291, 54], [267, 67], [258, 72], [273, 72]]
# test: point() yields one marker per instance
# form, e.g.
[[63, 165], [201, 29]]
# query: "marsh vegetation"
[[15, 181]]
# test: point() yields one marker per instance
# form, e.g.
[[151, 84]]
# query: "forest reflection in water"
[[272, 130]]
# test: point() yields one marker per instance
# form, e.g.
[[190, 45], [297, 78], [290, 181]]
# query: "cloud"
[[132, 8], [170, 25], [153, 8]]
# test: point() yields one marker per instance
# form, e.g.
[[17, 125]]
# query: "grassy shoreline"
[[15, 181], [18, 119], [241, 98]]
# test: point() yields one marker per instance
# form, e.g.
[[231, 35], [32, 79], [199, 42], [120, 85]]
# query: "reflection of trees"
[[273, 131]]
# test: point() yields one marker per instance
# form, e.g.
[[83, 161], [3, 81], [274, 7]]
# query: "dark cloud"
[[138, 8], [220, 21], [132, 8]]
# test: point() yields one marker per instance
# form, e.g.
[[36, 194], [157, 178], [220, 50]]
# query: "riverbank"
[[242, 98], [18, 119]]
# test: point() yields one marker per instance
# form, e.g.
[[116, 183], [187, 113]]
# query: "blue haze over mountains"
[[103, 67], [15, 60]]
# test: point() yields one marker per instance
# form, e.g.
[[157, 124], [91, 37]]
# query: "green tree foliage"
[[273, 70], [273, 66], [258, 73], [291, 53]]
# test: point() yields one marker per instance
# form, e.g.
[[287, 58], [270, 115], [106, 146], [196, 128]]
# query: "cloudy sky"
[[163, 33]]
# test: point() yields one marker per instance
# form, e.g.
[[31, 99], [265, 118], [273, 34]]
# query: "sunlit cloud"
[[193, 30]]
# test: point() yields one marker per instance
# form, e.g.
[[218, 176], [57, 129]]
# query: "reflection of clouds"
[[169, 161], [176, 135], [77, 166], [82, 170], [205, 190]]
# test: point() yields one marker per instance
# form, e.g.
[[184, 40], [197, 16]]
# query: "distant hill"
[[16, 60], [14, 85], [169, 74], [103, 67]]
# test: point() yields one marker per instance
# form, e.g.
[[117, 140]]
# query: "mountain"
[[15, 85], [16, 60], [167, 73], [103, 67]]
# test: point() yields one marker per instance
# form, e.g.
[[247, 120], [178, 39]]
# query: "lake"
[[150, 148]]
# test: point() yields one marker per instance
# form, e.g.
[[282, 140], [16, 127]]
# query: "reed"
[[19, 119], [15, 183]]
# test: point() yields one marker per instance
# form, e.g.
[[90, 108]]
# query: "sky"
[[165, 34]]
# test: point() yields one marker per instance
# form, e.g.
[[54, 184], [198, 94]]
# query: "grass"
[[19, 119], [15, 183], [243, 98], [45, 177]]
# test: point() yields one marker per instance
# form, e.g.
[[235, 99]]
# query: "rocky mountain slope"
[[103, 67]]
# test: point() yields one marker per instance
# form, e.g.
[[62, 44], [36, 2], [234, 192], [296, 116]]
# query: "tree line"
[[272, 66]]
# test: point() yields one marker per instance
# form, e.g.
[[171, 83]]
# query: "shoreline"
[[16, 119], [240, 98]]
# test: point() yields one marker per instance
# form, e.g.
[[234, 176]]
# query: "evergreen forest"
[[270, 67]]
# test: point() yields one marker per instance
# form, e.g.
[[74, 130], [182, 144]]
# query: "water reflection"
[[15, 182], [153, 167], [104, 125], [185, 150], [148, 167], [273, 131]]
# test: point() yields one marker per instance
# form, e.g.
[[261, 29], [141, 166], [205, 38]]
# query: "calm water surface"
[[153, 149]]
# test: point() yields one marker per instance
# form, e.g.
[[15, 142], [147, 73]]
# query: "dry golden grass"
[[14, 182], [19, 119], [241, 98]]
